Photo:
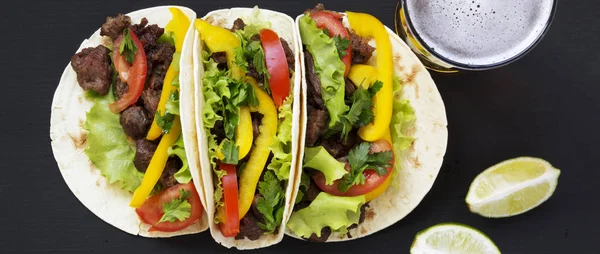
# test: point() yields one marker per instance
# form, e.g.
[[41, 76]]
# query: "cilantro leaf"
[[165, 122], [230, 152], [178, 209], [128, 47], [271, 204], [360, 113], [341, 44], [326, 31], [360, 160]]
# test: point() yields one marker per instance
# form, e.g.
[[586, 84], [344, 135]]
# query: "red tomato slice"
[[334, 14], [229, 216], [334, 25], [152, 209], [277, 66], [134, 74], [373, 180]]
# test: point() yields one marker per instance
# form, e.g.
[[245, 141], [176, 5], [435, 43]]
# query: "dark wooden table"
[[544, 105]]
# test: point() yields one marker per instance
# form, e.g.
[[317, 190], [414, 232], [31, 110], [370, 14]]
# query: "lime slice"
[[452, 238], [512, 187]]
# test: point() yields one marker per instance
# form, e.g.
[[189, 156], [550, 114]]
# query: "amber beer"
[[451, 35]]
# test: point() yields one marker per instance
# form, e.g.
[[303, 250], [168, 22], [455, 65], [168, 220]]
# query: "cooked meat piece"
[[161, 53], [238, 24], [151, 98], [361, 50], [121, 88], [113, 27], [167, 179], [256, 121], [147, 34], [289, 54], [143, 154], [312, 192], [314, 83], [135, 122], [316, 125], [338, 147], [249, 228], [221, 59], [257, 214], [255, 37], [349, 88], [219, 131], [318, 7], [253, 73], [325, 233], [361, 218], [92, 66]]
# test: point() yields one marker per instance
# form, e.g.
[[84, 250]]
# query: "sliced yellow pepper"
[[243, 132], [178, 25], [219, 39], [157, 165], [363, 75], [260, 154], [368, 26]]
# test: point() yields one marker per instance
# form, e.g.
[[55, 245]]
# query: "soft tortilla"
[[420, 163], [69, 107], [283, 25]]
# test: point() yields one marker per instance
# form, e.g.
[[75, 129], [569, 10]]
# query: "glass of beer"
[[453, 35]]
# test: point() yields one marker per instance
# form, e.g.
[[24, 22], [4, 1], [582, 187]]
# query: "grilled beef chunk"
[[312, 192], [92, 66], [151, 98], [135, 122], [316, 125], [325, 233], [121, 88], [218, 131], [314, 83], [256, 121], [161, 53], [113, 27], [255, 37], [349, 88], [318, 7], [147, 34], [143, 154], [167, 179], [253, 73], [361, 218], [238, 24], [249, 228], [221, 59], [361, 50], [339, 148], [289, 54]]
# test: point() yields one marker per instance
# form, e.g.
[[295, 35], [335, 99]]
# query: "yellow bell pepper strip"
[[368, 26], [157, 165], [178, 25], [243, 132], [260, 154], [219, 39], [363, 75]]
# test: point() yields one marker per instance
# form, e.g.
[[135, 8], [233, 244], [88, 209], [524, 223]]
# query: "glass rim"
[[458, 65]]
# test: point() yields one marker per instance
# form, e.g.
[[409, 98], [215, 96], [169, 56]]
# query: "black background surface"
[[545, 105]]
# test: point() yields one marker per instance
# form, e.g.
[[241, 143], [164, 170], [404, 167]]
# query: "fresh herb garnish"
[[360, 160], [165, 122], [271, 204], [178, 209], [360, 113], [230, 152], [128, 47], [341, 44]]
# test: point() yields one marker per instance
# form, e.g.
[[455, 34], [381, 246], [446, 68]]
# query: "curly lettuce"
[[282, 144], [183, 175], [318, 158], [328, 66], [107, 145], [337, 213]]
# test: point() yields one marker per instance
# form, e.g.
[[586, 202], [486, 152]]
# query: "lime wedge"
[[452, 238], [512, 187]]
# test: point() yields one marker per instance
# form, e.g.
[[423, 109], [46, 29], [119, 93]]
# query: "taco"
[[248, 101], [373, 128], [122, 129]]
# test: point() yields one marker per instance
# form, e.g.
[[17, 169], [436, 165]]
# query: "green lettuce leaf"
[[326, 210], [183, 175], [107, 145], [403, 114], [282, 144], [318, 158], [328, 65]]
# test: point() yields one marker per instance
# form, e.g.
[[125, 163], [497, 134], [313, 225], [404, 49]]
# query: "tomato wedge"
[[152, 209], [229, 215], [373, 180], [134, 75], [327, 19], [277, 65]]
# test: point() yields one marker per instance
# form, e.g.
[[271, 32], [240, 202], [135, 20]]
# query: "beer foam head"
[[479, 32]]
